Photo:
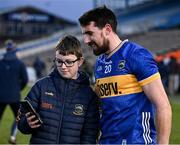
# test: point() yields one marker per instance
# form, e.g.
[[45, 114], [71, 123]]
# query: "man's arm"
[[156, 93]]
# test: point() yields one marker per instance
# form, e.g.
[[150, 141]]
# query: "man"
[[128, 84], [39, 67], [13, 78]]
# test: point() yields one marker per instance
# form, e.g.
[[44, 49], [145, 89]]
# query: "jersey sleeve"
[[143, 66]]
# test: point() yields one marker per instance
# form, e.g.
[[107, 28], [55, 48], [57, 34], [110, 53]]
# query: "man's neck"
[[114, 42]]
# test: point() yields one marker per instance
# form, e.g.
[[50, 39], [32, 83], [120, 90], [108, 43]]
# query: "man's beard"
[[97, 50]]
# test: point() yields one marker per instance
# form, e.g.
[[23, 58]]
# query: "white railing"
[[40, 45]]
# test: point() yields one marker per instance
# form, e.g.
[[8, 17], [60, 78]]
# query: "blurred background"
[[35, 26]]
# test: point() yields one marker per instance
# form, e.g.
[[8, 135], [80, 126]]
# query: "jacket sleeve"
[[23, 76], [33, 97], [23, 126], [91, 126]]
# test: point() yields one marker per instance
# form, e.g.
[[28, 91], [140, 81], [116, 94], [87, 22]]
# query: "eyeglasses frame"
[[65, 62]]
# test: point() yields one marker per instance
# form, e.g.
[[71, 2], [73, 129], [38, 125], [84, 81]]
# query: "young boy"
[[64, 100]]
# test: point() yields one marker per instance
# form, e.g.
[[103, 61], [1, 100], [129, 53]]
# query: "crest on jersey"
[[121, 64]]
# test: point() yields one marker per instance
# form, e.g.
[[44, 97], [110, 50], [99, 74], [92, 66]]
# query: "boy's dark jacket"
[[68, 108]]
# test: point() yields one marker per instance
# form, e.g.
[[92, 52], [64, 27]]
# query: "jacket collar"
[[82, 79], [10, 55]]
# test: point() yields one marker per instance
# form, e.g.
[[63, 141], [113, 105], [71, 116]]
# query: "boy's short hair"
[[69, 45], [101, 16]]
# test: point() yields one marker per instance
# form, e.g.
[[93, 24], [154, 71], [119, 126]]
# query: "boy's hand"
[[32, 120]]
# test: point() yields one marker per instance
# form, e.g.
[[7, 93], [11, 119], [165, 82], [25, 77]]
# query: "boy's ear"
[[81, 61]]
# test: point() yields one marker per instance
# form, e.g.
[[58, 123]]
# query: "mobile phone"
[[27, 107]]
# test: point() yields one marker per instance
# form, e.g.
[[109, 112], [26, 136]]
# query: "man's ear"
[[108, 29], [81, 61]]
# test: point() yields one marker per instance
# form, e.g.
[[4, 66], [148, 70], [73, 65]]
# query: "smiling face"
[[68, 65], [95, 38], [68, 57]]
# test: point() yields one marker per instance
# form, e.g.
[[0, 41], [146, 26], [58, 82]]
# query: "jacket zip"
[[61, 111]]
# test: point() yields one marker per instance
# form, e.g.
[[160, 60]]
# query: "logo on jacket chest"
[[49, 93], [78, 109], [46, 105]]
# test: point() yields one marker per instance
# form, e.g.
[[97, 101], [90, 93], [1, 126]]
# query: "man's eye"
[[88, 33]]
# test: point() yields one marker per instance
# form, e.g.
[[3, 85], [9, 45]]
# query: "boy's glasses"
[[67, 63]]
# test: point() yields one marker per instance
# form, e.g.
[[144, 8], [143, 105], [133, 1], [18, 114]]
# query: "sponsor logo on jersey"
[[108, 89], [117, 86]]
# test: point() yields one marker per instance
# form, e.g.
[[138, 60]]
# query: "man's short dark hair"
[[69, 45], [101, 16]]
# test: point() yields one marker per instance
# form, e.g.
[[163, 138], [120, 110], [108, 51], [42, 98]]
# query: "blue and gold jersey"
[[127, 113]]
